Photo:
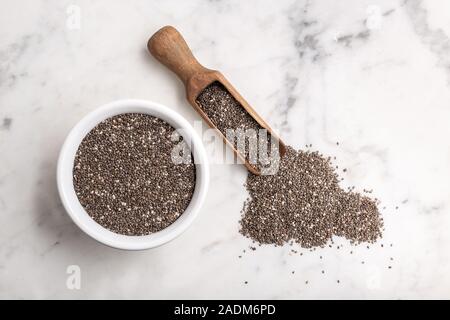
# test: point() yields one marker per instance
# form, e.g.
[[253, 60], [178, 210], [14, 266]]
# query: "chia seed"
[[301, 201], [125, 178], [229, 116], [304, 202]]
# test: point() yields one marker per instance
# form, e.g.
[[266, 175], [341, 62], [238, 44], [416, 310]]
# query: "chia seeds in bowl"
[[125, 176]]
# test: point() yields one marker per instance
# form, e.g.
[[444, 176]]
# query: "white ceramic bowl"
[[77, 212]]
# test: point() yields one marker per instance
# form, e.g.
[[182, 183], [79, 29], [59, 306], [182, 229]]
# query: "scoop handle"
[[168, 46]]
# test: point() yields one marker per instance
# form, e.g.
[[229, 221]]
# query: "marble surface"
[[371, 75]]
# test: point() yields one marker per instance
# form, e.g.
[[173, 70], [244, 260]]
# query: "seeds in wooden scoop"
[[125, 178], [303, 202], [251, 140]]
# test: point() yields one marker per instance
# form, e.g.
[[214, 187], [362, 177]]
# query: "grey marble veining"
[[373, 76]]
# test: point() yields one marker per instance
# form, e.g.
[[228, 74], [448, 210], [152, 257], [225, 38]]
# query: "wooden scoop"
[[168, 46]]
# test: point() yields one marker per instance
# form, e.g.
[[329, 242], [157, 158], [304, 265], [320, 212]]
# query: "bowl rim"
[[65, 177]]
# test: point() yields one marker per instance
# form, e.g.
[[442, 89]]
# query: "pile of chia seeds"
[[301, 202], [304, 203], [125, 178]]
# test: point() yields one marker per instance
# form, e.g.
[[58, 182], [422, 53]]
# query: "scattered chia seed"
[[303, 202], [6, 123], [125, 178]]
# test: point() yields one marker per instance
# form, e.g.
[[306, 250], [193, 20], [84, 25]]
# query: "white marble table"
[[373, 75]]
